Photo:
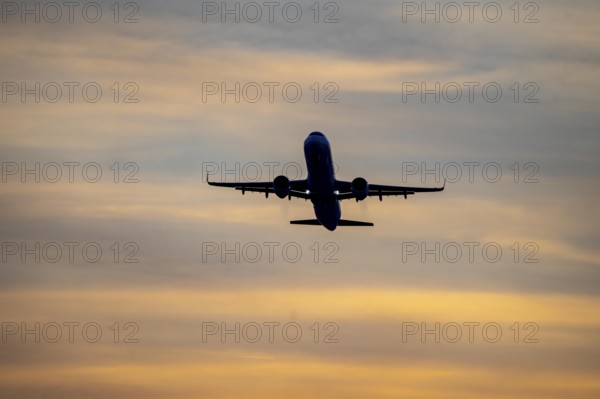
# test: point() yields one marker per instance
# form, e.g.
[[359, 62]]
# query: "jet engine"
[[281, 186], [360, 188]]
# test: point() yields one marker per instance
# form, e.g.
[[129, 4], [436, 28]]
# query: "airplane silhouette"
[[322, 188]]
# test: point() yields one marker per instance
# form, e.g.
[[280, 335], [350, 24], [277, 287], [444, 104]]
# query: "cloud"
[[364, 280]]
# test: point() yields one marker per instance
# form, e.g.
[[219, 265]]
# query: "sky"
[[124, 274]]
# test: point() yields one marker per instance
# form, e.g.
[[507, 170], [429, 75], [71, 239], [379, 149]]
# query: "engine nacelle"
[[360, 188], [281, 186]]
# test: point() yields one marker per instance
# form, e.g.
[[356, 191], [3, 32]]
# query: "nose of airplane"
[[315, 139]]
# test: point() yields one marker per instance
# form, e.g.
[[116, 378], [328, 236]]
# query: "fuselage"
[[321, 180]]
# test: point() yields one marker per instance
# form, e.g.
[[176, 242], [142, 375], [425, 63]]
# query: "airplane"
[[322, 188]]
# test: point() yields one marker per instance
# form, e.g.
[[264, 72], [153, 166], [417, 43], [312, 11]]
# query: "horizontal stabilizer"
[[353, 223], [313, 222], [342, 222]]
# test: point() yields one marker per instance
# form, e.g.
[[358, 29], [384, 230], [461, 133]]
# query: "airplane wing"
[[298, 188], [377, 190]]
